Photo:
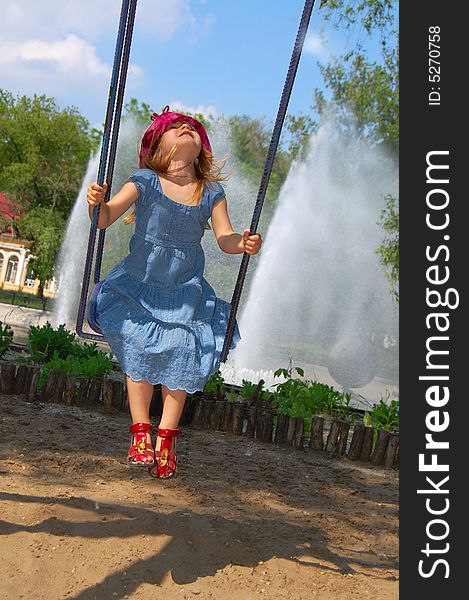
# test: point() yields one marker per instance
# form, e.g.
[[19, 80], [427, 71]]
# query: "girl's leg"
[[140, 394], [173, 405]]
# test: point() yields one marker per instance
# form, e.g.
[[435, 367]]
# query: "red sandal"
[[141, 453], [166, 459]]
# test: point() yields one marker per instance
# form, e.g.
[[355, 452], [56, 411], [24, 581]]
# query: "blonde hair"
[[207, 170]]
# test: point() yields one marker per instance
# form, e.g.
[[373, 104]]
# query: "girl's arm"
[[117, 205], [229, 241]]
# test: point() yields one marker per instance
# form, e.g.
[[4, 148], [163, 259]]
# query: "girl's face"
[[185, 138]]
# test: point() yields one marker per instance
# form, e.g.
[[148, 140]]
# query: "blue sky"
[[219, 56]]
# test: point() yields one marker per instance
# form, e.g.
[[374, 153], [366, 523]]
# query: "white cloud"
[[209, 20], [23, 19], [68, 70], [162, 18], [317, 45], [69, 54], [56, 47], [61, 35]]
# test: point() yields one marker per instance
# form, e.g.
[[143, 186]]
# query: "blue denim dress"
[[159, 315]]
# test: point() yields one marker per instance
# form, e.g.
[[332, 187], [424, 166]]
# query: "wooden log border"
[[253, 419]]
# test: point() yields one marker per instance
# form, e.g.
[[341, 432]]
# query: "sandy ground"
[[242, 520]]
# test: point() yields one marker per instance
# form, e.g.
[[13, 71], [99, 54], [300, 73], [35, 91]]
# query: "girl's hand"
[[252, 243], [95, 194]]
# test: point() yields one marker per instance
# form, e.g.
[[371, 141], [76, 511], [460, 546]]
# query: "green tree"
[[251, 140], [371, 15], [140, 111], [44, 152], [5, 224], [43, 228], [300, 128], [368, 91], [389, 249]]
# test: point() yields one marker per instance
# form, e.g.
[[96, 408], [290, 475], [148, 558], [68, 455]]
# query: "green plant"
[[88, 366], [339, 404], [289, 387], [325, 399], [215, 384], [45, 341], [383, 415], [59, 349], [299, 403], [232, 397], [6, 337], [302, 398], [288, 373], [86, 350], [294, 397], [248, 389], [253, 391]]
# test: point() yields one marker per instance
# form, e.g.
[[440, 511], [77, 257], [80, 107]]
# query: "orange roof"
[[9, 208]]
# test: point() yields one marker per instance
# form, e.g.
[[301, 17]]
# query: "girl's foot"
[[141, 452], [166, 459]]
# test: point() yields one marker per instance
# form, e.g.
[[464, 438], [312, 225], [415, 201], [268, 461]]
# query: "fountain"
[[319, 299], [71, 260]]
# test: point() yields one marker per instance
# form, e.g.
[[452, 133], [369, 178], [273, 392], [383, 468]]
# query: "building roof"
[[9, 208]]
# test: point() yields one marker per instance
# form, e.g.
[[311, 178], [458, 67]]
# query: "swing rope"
[[108, 151], [287, 89]]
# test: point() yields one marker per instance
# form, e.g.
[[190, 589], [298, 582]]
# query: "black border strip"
[[433, 131]]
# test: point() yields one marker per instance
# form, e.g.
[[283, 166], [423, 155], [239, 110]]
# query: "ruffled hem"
[[170, 384], [188, 370]]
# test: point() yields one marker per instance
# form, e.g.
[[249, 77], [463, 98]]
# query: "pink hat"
[[161, 122]]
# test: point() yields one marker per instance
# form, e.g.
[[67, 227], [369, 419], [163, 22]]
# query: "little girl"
[[159, 315]]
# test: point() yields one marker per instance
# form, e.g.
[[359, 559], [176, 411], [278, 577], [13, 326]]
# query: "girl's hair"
[[207, 170]]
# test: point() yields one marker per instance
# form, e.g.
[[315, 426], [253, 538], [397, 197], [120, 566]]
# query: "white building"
[[15, 274]]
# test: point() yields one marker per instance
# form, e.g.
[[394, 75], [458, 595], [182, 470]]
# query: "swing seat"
[[92, 317]]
